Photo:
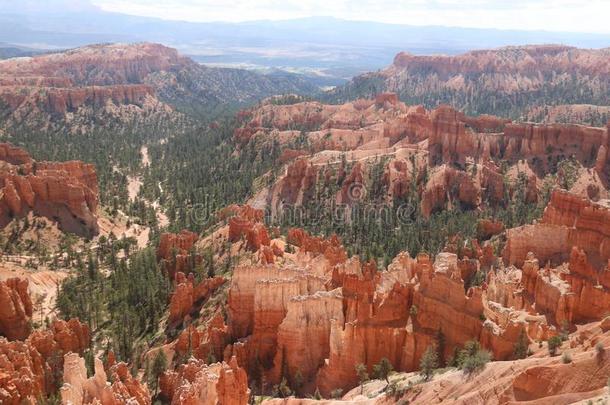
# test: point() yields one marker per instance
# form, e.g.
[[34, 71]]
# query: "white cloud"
[[552, 15]]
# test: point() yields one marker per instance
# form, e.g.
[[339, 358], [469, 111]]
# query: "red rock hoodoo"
[[66, 192], [29, 369], [15, 309], [174, 252], [198, 383]]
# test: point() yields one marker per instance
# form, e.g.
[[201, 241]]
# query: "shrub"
[[383, 369], [520, 350], [362, 374], [336, 394], [565, 331], [566, 358], [297, 380], [413, 311], [391, 388], [428, 362], [282, 389], [476, 362], [554, 343], [159, 366], [473, 357], [600, 351]]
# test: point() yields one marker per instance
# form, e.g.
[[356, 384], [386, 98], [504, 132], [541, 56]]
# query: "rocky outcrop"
[[198, 383], [15, 309], [175, 252], [61, 337], [22, 372], [303, 336], [294, 188], [572, 293], [389, 98], [188, 292], [448, 187], [207, 343], [79, 390], [14, 155], [536, 379], [246, 224], [181, 243], [258, 300], [65, 192], [30, 369], [254, 234], [486, 228], [587, 223], [564, 260], [568, 221], [376, 316], [457, 137]]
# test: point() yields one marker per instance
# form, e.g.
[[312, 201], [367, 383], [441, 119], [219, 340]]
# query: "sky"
[[552, 15]]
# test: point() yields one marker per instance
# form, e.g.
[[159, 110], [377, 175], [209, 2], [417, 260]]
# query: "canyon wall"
[[447, 157]]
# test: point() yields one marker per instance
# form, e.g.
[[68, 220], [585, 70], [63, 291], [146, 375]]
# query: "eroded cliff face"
[[447, 157], [536, 379], [510, 80], [70, 90], [565, 260], [356, 314], [311, 314], [568, 220], [96, 64], [59, 101], [66, 192]]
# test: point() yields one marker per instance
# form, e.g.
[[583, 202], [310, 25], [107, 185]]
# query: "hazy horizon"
[[332, 41], [529, 15]]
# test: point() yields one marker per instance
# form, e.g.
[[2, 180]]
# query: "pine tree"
[[158, 367], [428, 362], [363, 375]]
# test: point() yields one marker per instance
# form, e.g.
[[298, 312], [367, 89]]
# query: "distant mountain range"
[[329, 49]]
